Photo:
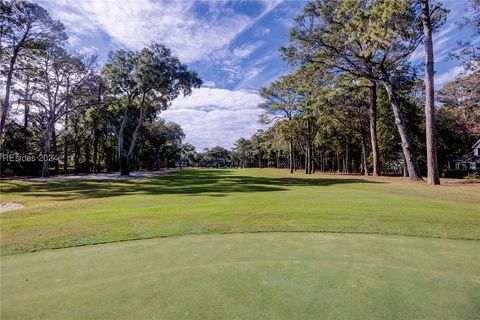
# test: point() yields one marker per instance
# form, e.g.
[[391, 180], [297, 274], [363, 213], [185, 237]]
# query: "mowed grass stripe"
[[194, 201]]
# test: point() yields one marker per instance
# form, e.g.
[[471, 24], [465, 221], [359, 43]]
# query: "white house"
[[470, 161]]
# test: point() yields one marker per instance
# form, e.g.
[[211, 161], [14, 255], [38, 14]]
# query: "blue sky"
[[233, 45]]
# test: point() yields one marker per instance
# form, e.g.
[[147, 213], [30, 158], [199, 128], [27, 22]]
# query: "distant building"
[[470, 161]]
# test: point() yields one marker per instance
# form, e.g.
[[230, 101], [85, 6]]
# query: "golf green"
[[248, 276]]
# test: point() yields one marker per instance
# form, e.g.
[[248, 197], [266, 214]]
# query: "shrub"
[[473, 176], [452, 173]]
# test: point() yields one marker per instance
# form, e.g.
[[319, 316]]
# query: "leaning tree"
[[57, 76], [24, 27], [137, 79], [370, 40]]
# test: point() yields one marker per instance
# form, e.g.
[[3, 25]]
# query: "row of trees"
[[60, 104], [353, 103], [354, 100]]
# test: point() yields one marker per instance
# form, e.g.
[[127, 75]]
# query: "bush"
[[458, 174], [473, 176], [452, 173]]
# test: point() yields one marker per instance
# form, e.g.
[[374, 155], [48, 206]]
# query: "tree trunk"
[[123, 159], [308, 154], [135, 133], [347, 157], [372, 114], [405, 169], [364, 157], [46, 150], [26, 105], [87, 157], [55, 151], [325, 162], [65, 155], [337, 157], [122, 154], [76, 157], [124, 169], [65, 137], [290, 145], [407, 147], [432, 164], [95, 151], [313, 157], [322, 162], [6, 100]]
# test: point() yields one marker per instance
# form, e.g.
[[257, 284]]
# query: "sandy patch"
[[101, 176], [9, 206]]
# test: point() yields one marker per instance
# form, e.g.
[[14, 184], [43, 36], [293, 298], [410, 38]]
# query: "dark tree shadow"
[[212, 182]]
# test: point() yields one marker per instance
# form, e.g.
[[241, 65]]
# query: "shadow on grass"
[[211, 182]]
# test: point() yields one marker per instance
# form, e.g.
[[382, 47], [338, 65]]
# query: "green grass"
[[281, 274], [73, 213], [248, 276]]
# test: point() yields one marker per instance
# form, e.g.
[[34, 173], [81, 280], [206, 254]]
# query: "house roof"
[[469, 157], [476, 144]]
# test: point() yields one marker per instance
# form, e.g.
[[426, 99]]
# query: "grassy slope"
[[254, 276], [71, 213]]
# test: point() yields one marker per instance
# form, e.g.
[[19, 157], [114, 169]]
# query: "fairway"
[[248, 276], [61, 214], [227, 160], [294, 248]]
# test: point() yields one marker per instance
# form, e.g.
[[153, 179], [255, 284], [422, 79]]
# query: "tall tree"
[[282, 99], [312, 82], [242, 152], [186, 152], [460, 101], [432, 163], [58, 76], [24, 27], [372, 116], [368, 39], [135, 78], [347, 107], [218, 156]]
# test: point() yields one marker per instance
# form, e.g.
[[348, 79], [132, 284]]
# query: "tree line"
[[356, 103], [63, 113]]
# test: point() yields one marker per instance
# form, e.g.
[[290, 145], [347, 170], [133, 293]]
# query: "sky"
[[233, 45]]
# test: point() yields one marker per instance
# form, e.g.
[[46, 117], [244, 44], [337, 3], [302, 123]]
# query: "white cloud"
[[249, 77], [90, 50], [221, 98], [212, 117], [209, 84], [73, 40], [246, 50], [232, 61], [136, 23], [441, 40], [262, 31], [450, 75]]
